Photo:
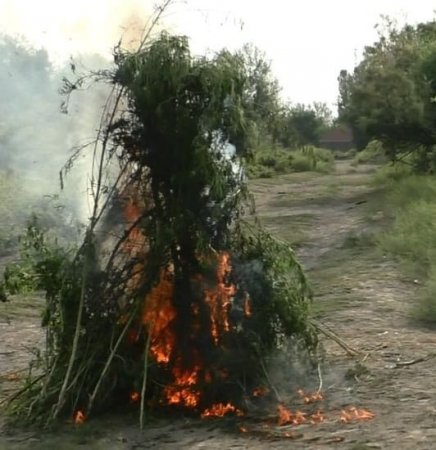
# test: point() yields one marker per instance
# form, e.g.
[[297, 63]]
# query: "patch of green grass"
[[407, 190], [391, 173], [411, 239], [271, 161]]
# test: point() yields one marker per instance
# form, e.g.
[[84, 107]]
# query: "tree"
[[389, 95], [300, 125], [261, 93]]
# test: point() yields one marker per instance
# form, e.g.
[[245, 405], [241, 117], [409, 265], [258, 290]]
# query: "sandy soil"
[[361, 295]]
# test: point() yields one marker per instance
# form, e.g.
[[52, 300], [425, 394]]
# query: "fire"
[[219, 298], [260, 391], [287, 417], [79, 417], [220, 410], [317, 417], [182, 392], [134, 396], [176, 395], [348, 415], [158, 315], [247, 306], [310, 398], [160, 319]]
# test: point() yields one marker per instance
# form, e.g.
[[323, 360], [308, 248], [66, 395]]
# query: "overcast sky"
[[308, 41]]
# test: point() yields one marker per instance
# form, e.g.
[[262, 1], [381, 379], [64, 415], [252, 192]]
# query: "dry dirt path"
[[359, 294]]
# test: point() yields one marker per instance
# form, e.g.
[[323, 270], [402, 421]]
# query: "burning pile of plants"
[[176, 298]]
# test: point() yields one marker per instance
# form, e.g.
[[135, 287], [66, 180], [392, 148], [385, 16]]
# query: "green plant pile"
[[167, 126]]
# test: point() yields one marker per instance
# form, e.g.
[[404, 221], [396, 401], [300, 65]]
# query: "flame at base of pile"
[[192, 360]]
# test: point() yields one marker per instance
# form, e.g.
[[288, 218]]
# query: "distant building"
[[337, 138]]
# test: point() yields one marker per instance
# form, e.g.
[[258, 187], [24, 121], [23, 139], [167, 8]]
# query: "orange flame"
[[287, 417], [247, 306], [182, 391], [310, 398], [79, 417], [134, 396], [219, 298], [348, 415], [158, 315], [317, 417], [260, 391], [220, 410]]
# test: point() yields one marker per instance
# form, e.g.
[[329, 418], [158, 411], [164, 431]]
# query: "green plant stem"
[[144, 378], [109, 361], [61, 398]]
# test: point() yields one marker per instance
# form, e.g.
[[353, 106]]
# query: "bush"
[[275, 161], [372, 153], [301, 163]]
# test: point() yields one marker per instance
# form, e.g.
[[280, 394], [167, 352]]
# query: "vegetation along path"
[[333, 221]]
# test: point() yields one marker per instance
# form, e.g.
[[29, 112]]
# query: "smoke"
[[36, 139], [80, 27]]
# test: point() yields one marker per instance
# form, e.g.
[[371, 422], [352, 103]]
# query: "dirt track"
[[359, 293]]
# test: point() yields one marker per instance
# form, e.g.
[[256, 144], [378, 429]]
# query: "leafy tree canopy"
[[390, 95]]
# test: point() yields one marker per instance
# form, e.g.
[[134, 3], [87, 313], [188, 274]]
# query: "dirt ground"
[[359, 293]]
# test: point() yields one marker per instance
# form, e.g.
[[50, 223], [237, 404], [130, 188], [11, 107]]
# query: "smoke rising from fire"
[[35, 137], [81, 27]]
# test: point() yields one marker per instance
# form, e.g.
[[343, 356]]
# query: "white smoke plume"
[[36, 138]]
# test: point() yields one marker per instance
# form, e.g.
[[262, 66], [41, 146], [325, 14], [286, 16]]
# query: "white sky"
[[308, 41]]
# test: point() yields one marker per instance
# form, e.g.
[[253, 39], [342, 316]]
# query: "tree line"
[[391, 94]]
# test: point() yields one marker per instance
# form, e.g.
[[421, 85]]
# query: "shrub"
[[270, 161], [301, 163], [372, 153]]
